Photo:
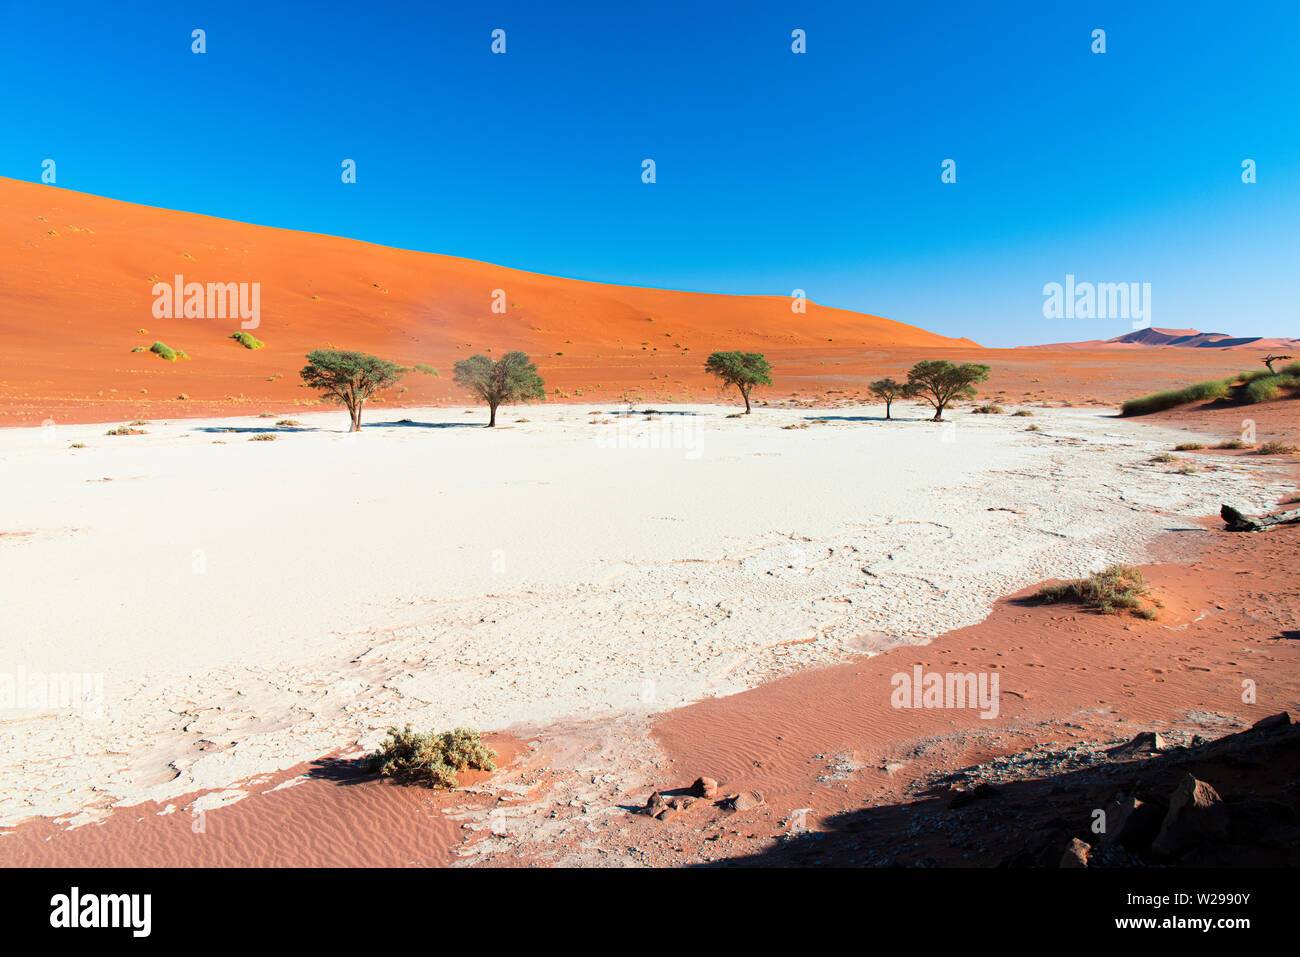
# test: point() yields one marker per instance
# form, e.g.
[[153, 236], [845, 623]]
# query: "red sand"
[[80, 269]]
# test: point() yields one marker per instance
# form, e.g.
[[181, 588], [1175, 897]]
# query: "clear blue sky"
[[775, 171]]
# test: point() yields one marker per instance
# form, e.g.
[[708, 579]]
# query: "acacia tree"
[[939, 381], [512, 378], [1268, 360], [744, 370], [889, 390], [349, 377]]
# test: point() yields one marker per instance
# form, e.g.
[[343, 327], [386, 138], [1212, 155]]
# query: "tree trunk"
[[492, 419], [888, 403], [355, 411], [746, 395]]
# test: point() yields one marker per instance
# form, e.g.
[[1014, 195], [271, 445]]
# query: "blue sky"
[[775, 171]]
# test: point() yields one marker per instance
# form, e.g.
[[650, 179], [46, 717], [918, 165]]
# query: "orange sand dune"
[[79, 272]]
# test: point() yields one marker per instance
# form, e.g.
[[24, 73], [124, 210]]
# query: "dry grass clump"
[[1163, 458], [1275, 448], [1022, 413], [1188, 447], [432, 759], [1112, 591], [262, 437], [1233, 444], [125, 430], [988, 410], [294, 423]]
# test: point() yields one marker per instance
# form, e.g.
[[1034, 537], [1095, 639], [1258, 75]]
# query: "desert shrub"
[[432, 759], [1186, 469], [1169, 398], [1232, 444], [77, 445], [247, 340], [295, 422], [1263, 389], [138, 349], [125, 430], [263, 437], [1275, 448], [1032, 428], [1112, 591], [988, 410], [427, 369], [1188, 447], [1163, 457], [162, 350], [1022, 413]]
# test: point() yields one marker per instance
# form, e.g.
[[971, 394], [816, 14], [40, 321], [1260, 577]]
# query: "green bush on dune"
[[432, 759], [164, 351], [247, 340]]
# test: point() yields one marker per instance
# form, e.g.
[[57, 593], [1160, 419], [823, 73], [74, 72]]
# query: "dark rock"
[[980, 792], [1148, 742], [1196, 814], [1280, 720]]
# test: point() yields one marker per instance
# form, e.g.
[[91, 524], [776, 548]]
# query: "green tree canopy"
[[889, 390], [744, 370], [349, 377], [512, 378], [939, 382]]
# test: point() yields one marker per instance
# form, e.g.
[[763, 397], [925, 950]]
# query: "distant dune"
[[79, 271], [1181, 338]]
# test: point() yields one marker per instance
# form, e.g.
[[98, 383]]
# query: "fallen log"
[[1237, 522]]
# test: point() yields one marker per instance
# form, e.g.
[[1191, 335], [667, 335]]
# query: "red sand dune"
[[77, 296], [80, 270]]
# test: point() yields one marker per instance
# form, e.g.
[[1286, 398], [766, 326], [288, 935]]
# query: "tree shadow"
[[411, 424], [342, 771], [247, 429]]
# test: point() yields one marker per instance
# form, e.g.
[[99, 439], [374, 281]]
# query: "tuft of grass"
[[1022, 413], [77, 445], [988, 410], [1031, 427], [138, 349], [164, 351], [1275, 448], [263, 437], [1186, 469], [246, 340], [1232, 444], [295, 422], [125, 430], [433, 759], [1163, 458], [427, 370], [1112, 591], [1188, 447]]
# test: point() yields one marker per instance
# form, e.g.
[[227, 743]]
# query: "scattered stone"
[[704, 787], [1076, 855], [744, 801]]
